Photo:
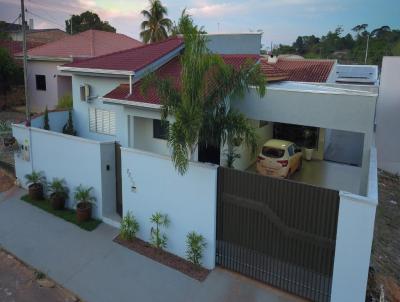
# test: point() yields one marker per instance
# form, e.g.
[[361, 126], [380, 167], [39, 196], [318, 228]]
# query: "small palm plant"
[[58, 193], [195, 244], [35, 182], [129, 227], [158, 239], [84, 201]]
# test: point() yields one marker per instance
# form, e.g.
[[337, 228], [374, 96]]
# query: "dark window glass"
[[272, 152], [40, 82], [291, 150], [160, 129]]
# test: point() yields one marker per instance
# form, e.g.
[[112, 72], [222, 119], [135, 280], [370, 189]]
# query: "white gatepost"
[[354, 240]]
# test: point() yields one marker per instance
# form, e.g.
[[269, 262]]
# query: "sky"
[[280, 20]]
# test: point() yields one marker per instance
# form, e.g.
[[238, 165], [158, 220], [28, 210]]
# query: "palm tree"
[[156, 27], [201, 106]]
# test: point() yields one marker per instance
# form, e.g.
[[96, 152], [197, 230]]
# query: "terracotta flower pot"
[[35, 191], [57, 201], [83, 211]]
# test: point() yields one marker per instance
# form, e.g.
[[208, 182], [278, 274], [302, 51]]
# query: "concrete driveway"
[[99, 270]]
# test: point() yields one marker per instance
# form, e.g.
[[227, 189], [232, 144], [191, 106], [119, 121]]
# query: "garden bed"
[[66, 214], [137, 245]]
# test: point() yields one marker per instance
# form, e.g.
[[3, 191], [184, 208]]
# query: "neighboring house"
[[121, 150], [387, 116], [45, 83]]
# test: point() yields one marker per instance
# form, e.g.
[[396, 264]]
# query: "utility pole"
[[366, 50], [27, 103]]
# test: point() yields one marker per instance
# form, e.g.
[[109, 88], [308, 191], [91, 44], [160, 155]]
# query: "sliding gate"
[[277, 231]]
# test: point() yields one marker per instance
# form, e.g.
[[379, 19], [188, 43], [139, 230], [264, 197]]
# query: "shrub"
[[46, 120], [158, 239], [195, 244], [58, 187], [129, 227], [35, 178], [65, 102], [83, 195], [69, 126]]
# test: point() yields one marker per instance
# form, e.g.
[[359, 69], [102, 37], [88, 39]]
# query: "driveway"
[[99, 270]]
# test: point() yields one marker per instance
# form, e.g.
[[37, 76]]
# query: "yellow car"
[[279, 158]]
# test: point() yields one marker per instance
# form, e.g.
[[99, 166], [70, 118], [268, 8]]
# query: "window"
[[102, 121], [272, 152], [40, 82], [160, 129]]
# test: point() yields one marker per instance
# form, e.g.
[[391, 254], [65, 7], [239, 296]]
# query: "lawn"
[[66, 214]]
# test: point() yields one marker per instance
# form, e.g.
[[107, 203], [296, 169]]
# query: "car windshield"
[[272, 152]]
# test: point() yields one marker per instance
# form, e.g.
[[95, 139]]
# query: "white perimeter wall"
[[354, 240], [40, 99], [77, 160], [387, 116], [189, 200]]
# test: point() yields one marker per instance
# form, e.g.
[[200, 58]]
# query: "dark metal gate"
[[277, 231], [118, 178]]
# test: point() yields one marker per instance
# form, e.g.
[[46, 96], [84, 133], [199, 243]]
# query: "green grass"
[[66, 214]]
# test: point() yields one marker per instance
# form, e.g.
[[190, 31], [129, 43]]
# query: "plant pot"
[[35, 191], [83, 211], [308, 153], [57, 201]]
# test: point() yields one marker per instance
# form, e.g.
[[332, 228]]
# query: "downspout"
[[130, 84]]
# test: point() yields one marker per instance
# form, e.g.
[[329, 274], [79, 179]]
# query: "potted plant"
[[58, 193], [84, 201], [309, 143], [35, 182]]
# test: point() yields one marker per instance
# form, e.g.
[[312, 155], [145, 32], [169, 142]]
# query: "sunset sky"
[[280, 20]]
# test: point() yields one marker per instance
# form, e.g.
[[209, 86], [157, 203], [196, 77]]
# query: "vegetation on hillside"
[[347, 48]]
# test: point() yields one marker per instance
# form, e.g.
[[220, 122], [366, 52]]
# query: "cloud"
[[209, 10]]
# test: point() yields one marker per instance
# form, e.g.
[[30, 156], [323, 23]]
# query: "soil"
[[194, 271], [19, 282], [385, 259], [6, 180]]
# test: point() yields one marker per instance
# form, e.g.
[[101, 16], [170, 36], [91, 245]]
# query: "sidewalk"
[[99, 270]]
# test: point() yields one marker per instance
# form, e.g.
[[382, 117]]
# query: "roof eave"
[[96, 71], [132, 103]]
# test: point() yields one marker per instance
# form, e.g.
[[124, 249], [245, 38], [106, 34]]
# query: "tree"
[[10, 73], [201, 107], [156, 26], [46, 125], [185, 21], [3, 33], [359, 28], [85, 21]]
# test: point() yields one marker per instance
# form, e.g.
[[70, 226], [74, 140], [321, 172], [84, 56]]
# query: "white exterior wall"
[[40, 99], [245, 43], [57, 120], [349, 112], [144, 140], [387, 116], [354, 240], [189, 200], [77, 160]]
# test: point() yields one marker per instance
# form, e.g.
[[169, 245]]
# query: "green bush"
[[129, 227], [65, 102], [158, 239], [69, 126], [46, 125], [195, 244]]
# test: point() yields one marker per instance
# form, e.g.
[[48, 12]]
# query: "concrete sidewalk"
[[99, 270]]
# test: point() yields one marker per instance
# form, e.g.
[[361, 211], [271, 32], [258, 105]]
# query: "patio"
[[97, 269]]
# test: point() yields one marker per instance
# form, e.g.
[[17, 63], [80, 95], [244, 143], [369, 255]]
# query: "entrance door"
[[118, 178], [209, 154]]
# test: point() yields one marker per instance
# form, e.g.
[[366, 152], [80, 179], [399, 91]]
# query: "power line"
[[44, 18]]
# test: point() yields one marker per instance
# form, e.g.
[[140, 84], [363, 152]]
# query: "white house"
[[120, 137], [46, 85]]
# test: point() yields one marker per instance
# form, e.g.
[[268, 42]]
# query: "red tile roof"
[[131, 59], [90, 43], [272, 72], [304, 70], [14, 47], [171, 70]]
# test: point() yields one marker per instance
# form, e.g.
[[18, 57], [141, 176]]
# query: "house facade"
[[46, 86], [119, 136]]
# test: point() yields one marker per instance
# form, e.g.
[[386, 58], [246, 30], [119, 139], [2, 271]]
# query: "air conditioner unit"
[[85, 93]]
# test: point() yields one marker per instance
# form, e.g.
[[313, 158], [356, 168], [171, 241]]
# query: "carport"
[[339, 112]]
